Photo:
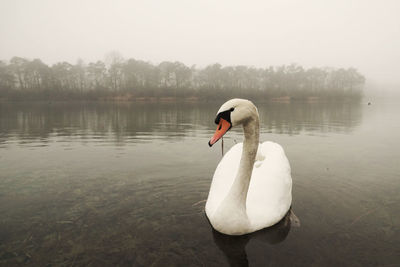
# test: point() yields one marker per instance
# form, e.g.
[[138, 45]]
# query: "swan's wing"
[[223, 178], [270, 191]]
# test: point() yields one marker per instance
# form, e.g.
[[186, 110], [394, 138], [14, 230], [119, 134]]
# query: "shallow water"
[[123, 184]]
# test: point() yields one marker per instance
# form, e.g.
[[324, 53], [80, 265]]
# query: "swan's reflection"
[[234, 246]]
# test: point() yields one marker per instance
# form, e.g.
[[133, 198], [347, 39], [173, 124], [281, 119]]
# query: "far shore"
[[284, 99], [129, 99]]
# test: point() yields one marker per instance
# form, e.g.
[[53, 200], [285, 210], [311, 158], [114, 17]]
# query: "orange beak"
[[222, 128]]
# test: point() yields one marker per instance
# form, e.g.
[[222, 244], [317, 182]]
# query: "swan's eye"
[[232, 109]]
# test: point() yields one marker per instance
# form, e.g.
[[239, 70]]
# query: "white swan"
[[252, 186]]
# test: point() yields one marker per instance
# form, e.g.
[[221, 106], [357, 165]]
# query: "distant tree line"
[[116, 78]]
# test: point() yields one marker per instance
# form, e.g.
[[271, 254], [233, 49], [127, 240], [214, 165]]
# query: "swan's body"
[[251, 187]]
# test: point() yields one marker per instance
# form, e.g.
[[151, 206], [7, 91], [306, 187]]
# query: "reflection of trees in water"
[[25, 121], [313, 117], [147, 121]]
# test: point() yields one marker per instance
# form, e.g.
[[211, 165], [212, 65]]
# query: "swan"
[[252, 186]]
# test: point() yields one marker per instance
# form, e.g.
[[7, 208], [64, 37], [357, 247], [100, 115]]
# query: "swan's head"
[[232, 113]]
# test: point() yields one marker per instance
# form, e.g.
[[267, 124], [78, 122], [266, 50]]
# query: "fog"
[[108, 107], [360, 34]]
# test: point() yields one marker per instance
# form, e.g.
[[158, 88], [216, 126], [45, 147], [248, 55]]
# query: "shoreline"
[[194, 100]]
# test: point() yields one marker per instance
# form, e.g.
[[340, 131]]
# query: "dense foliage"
[[117, 78]]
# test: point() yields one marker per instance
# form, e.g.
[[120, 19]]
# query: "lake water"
[[124, 184]]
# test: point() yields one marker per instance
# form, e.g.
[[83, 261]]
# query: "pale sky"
[[363, 34]]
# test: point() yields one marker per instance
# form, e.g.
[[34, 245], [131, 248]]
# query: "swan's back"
[[269, 196], [270, 191]]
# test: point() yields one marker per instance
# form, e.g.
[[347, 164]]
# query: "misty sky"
[[364, 34]]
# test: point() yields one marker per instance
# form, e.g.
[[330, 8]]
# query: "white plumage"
[[266, 177]]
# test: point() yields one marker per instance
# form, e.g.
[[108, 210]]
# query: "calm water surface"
[[124, 184]]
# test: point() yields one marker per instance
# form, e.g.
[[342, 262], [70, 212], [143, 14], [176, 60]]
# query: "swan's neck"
[[240, 186], [231, 216]]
